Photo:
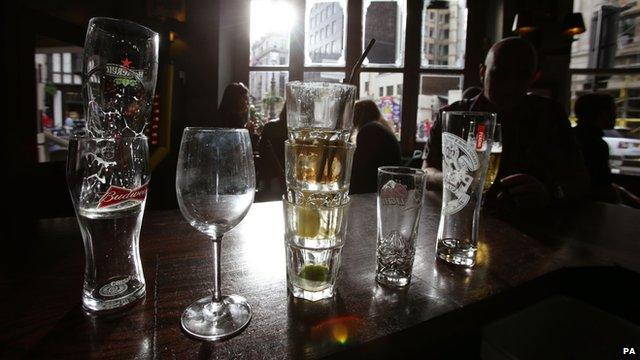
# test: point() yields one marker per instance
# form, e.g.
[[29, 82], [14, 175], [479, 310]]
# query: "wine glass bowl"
[[215, 186]]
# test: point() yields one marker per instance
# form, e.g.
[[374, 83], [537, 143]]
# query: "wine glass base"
[[207, 321]]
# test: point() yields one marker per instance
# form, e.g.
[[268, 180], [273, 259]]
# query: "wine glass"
[[215, 185]]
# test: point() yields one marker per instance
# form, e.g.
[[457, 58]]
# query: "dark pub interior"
[[256, 179]]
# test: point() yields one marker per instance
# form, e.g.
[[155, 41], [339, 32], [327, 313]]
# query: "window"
[[606, 58], [266, 89], [267, 36], [443, 25], [269, 48], [390, 105], [58, 97], [328, 54], [390, 90], [452, 34], [385, 22], [436, 91]]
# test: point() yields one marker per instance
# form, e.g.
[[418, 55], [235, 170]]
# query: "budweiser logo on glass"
[[108, 181]]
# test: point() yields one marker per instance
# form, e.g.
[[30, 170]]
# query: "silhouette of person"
[[233, 111], [596, 112], [272, 183], [540, 165], [376, 146]]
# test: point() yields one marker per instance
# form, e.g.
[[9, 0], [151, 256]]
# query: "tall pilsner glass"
[[108, 181], [215, 185], [467, 139]]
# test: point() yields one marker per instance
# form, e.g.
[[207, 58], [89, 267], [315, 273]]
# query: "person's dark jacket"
[[376, 146], [596, 158]]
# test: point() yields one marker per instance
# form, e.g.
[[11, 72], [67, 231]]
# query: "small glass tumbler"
[[467, 141], [400, 193], [318, 172], [318, 110], [314, 237]]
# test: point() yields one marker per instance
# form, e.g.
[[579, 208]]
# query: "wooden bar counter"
[[591, 255]]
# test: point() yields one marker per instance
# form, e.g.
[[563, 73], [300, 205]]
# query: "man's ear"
[[482, 69]]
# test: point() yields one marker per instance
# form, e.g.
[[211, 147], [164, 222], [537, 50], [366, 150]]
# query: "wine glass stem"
[[216, 270]]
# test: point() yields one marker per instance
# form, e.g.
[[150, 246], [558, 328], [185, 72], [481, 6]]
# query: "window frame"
[[353, 45]]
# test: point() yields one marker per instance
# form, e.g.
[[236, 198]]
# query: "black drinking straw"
[[356, 67]]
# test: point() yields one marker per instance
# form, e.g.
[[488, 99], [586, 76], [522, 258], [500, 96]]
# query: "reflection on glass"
[[385, 22], [332, 77], [325, 34], [266, 89], [444, 33], [617, 23], [385, 89], [436, 91], [270, 25], [59, 96]]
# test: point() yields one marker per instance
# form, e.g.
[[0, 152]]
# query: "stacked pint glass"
[[318, 170], [108, 165]]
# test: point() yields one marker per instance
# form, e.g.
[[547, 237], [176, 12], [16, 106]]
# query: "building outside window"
[[606, 58], [443, 41]]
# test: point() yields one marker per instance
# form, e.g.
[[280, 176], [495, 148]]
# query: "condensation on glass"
[[325, 34], [270, 28], [266, 91], [444, 34], [385, 89], [435, 91], [385, 21]]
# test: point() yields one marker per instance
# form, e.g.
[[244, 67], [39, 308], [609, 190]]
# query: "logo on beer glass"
[[393, 193], [116, 195], [459, 161], [123, 73]]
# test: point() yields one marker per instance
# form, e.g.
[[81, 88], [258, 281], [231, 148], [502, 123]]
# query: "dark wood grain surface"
[[41, 316]]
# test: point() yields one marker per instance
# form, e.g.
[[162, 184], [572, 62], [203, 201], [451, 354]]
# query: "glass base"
[[114, 294], [301, 293], [205, 320], [392, 278], [456, 255]]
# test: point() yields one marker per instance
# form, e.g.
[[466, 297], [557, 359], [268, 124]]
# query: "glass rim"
[[213, 129], [99, 19], [470, 113], [390, 170], [87, 138], [320, 84], [348, 145], [346, 203]]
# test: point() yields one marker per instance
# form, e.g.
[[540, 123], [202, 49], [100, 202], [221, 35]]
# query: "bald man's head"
[[508, 71]]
